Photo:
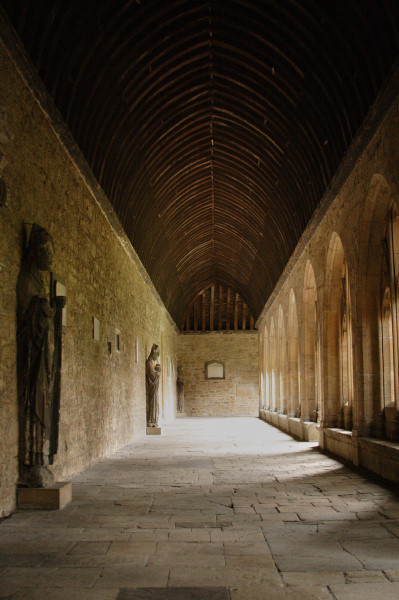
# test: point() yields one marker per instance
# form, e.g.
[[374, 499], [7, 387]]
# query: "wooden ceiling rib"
[[214, 128], [217, 308]]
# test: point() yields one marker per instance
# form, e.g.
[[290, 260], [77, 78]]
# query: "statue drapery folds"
[[39, 330], [180, 389], [152, 371]]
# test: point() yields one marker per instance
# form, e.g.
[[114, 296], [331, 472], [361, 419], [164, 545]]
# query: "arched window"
[[261, 372], [310, 408], [266, 368], [388, 379], [293, 357], [387, 424], [282, 363], [273, 367], [338, 368], [346, 355]]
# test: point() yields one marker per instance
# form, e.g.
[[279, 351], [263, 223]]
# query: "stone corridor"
[[227, 503]]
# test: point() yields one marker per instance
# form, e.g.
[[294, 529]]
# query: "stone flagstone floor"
[[213, 502]]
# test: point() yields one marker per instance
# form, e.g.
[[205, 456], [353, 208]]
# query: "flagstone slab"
[[228, 576], [341, 562], [380, 554], [365, 576], [179, 593], [95, 560], [266, 592], [392, 574], [128, 577], [67, 577], [310, 579], [132, 548], [22, 560], [367, 591], [67, 594], [88, 548]]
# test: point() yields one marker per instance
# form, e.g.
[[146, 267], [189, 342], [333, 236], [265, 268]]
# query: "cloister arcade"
[[335, 355]]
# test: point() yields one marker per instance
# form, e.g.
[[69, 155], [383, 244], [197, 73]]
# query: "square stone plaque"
[[176, 593]]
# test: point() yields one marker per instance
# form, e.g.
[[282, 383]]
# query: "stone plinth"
[[52, 498], [154, 431]]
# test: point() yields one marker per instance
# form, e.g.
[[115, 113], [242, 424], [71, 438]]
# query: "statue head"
[[154, 352], [41, 248]]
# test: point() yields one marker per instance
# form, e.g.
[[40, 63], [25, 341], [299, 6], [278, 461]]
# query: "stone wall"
[[238, 393], [103, 390]]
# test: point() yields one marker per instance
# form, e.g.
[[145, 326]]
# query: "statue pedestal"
[[154, 431], [51, 498]]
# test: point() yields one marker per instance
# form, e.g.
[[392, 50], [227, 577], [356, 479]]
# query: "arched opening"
[[388, 379], [282, 364], [310, 407], [261, 373], [266, 368], [387, 424], [380, 238], [293, 357], [339, 356], [273, 367]]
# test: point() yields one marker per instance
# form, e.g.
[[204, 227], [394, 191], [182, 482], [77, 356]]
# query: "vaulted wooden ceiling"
[[213, 126]]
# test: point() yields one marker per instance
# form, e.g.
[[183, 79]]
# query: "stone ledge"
[[381, 457], [52, 498], [340, 442], [339, 432], [302, 430]]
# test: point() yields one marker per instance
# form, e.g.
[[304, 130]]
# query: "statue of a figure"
[[39, 329], [180, 389], [152, 373]]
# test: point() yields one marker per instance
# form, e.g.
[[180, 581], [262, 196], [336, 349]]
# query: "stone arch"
[[261, 372], [273, 367], [266, 368], [282, 363], [387, 351], [293, 357], [379, 311], [309, 405], [339, 340]]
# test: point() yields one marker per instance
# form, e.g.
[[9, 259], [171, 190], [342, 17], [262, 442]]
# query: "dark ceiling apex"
[[214, 127]]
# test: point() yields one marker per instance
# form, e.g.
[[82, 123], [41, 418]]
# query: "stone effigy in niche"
[[39, 332]]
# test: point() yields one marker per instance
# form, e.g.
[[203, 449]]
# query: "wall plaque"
[[214, 370], [60, 290], [117, 340], [96, 329]]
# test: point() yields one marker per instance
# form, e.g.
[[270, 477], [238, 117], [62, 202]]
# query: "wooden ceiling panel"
[[214, 127]]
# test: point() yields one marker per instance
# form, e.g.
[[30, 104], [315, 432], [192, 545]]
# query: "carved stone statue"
[[39, 329], [152, 374], [180, 390]]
